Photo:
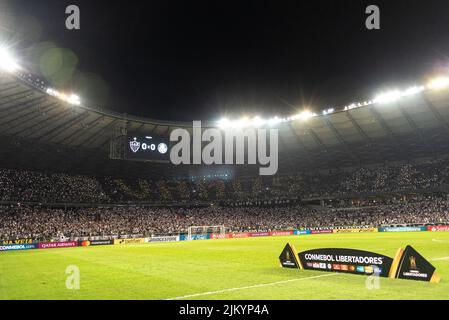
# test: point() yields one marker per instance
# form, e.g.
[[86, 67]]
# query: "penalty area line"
[[250, 287]]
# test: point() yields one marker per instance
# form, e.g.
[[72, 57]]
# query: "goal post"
[[194, 230]]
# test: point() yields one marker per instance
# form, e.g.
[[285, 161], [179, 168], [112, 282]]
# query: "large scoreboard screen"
[[147, 148]]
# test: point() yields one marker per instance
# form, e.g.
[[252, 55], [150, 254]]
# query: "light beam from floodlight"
[[7, 62]]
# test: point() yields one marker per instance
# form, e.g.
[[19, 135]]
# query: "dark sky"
[[186, 60]]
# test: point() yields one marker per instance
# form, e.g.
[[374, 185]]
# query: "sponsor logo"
[[17, 241], [336, 267], [101, 242], [360, 269], [52, 245], [164, 239], [281, 233], [259, 234], [14, 247], [321, 231], [344, 267], [358, 230], [239, 235], [130, 241], [438, 228], [301, 232], [402, 229], [369, 269]]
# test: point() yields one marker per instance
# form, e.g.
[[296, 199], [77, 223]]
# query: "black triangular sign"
[[288, 257], [414, 266]]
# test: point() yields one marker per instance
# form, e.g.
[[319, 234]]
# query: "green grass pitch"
[[216, 269]]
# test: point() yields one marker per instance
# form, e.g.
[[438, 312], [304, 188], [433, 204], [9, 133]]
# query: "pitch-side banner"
[[164, 239], [356, 230], [438, 228], [17, 241], [407, 264], [346, 260], [14, 247], [130, 241], [413, 266], [402, 229], [53, 245]]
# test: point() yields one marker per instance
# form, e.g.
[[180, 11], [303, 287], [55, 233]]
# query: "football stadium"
[[92, 205]]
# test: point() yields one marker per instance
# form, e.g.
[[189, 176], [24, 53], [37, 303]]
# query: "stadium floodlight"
[[274, 121], [328, 111], [304, 116], [258, 122], [224, 123], [388, 97], [7, 62], [74, 99], [439, 83]]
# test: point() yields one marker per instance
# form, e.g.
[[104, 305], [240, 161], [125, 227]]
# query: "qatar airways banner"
[[53, 245], [438, 228]]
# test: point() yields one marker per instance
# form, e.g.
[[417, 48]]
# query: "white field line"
[[250, 287], [439, 259], [439, 240]]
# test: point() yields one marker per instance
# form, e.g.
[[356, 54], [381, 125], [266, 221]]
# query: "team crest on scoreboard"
[[134, 145]]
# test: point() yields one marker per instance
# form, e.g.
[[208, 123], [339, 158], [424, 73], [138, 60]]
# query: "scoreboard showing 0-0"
[[147, 148]]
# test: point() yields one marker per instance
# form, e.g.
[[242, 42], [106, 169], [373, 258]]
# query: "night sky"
[[201, 60]]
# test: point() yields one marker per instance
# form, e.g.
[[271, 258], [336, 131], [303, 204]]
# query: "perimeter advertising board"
[[164, 239], [17, 241], [407, 264], [346, 260], [438, 228], [130, 241], [356, 230], [53, 245], [402, 229], [15, 247]]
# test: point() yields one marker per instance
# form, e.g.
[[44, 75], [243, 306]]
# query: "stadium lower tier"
[[40, 224]]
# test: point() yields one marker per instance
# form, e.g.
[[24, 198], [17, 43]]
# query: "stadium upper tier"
[[40, 131]]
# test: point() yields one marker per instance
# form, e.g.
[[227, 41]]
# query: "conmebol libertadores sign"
[[407, 264]]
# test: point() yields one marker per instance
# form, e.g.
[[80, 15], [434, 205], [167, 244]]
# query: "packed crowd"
[[27, 186], [49, 224]]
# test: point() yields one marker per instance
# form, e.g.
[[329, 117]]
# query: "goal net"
[[201, 230]]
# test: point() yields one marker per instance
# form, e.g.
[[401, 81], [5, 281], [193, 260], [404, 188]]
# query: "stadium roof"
[[41, 131]]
